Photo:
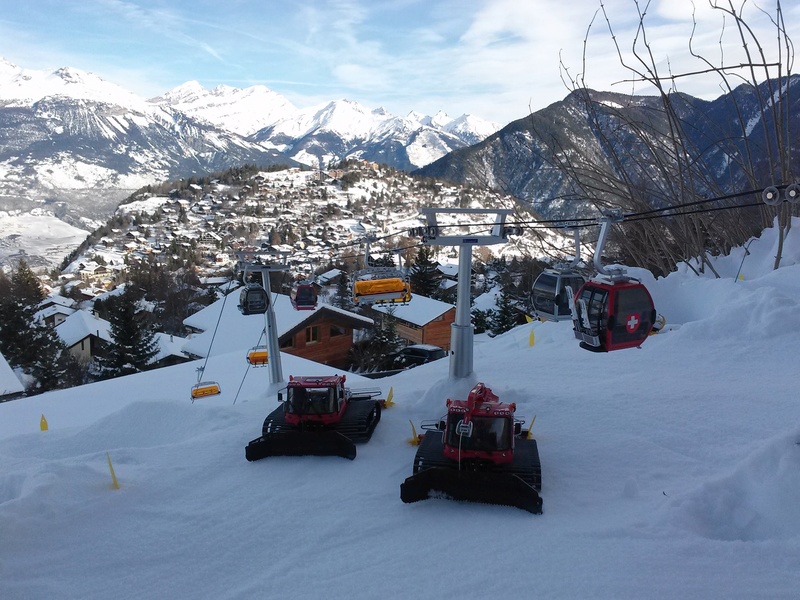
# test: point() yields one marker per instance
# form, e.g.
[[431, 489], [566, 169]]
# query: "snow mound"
[[757, 502]]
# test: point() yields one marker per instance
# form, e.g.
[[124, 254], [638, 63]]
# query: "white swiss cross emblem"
[[632, 323]]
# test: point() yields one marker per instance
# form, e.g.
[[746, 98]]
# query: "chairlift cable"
[[698, 202], [565, 223], [202, 369], [236, 397]]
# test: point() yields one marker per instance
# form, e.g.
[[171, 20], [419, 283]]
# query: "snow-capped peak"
[[439, 120], [471, 128], [25, 87], [186, 92], [416, 117], [243, 111]]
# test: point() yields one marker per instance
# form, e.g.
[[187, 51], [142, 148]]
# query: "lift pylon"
[[462, 330]]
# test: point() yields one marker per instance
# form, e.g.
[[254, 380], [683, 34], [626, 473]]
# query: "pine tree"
[[7, 316], [21, 297], [504, 318], [134, 343], [28, 343], [425, 278], [385, 260], [52, 366], [343, 298], [482, 319], [387, 340]]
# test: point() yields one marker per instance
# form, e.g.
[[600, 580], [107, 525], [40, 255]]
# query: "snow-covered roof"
[[448, 269], [421, 310], [214, 280], [54, 309], [328, 275], [168, 345], [81, 324], [245, 331], [9, 383], [58, 299]]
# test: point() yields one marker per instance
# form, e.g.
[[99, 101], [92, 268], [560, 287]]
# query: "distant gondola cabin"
[[551, 293], [253, 300], [304, 297]]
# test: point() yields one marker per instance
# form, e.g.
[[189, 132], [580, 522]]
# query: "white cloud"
[[492, 58]]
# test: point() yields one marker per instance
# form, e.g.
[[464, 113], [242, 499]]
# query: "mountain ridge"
[[525, 157], [67, 131]]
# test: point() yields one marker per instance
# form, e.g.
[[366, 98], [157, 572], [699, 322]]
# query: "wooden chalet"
[[423, 320], [323, 335], [326, 336]]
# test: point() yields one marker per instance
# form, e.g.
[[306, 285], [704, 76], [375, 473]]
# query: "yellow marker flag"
[[528, 319], [113, 476], [530, 339], [741, 277], [43, 423], [389, 402], [529, 435], [414, 441]]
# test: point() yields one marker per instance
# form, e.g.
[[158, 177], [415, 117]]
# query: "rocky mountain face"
[[599, 135]]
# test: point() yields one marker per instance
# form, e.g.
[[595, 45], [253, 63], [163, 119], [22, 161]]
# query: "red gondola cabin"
[[613, 314], [304, 297]]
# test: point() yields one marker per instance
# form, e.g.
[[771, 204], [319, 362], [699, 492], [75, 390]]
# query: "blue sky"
[[491, 58]]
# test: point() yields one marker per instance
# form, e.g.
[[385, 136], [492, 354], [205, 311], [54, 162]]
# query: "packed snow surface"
[[669, 471]]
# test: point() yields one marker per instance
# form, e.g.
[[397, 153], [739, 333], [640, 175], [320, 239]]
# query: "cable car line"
[[567, 223], [692, 212], [209, 388]]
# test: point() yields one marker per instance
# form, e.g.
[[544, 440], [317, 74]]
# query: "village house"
[[85, 335], [420, 321], [170, 351], [54, 309], [324, 335]]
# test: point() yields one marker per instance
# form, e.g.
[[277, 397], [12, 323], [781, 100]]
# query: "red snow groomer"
[[477, 452], [319, 416]]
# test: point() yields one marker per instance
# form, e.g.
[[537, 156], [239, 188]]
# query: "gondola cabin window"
[[596, 301]]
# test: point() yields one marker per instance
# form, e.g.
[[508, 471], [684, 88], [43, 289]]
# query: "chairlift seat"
[[370, 291], [205, 388], [258, 356]]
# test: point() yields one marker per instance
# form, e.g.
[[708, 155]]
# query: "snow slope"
[[38, 236], [671, 471]]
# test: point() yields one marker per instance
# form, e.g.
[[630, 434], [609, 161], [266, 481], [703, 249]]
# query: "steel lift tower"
[[462, 330]]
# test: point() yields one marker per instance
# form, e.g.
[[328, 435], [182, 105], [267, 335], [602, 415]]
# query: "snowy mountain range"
[[68, 131], [332, 131]]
